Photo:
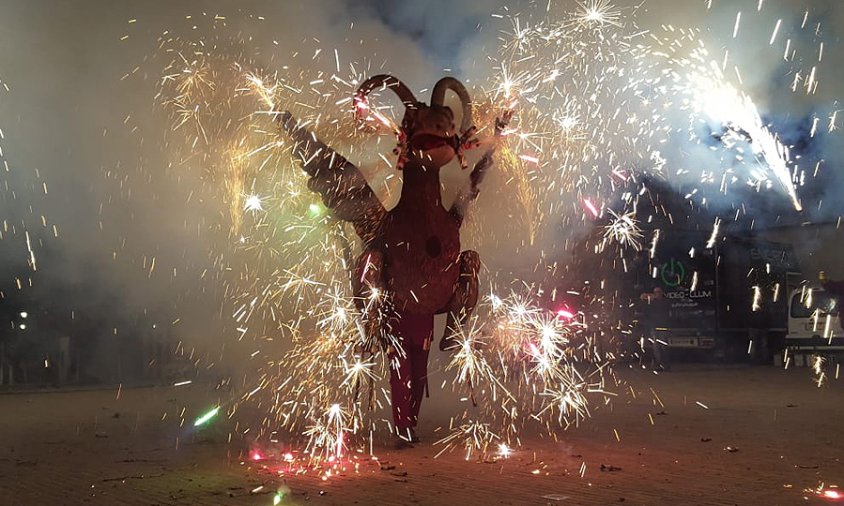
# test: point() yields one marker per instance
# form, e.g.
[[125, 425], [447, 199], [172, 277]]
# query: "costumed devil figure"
[[411, 267]]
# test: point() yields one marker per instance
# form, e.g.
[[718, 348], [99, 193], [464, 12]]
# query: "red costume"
[[411, 267], [409, 368]]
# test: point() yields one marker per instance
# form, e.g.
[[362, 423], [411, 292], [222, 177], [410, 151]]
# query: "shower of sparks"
[[599, 12], [714, 236], [253, 203], [742, 123], [624, 230], [504, 450], [472, 436], [15, 227], [516, 361], [596, 102], [683, 67], [818, 367]]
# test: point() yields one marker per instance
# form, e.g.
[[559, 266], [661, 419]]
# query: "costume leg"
[[400, 390], [421, 335], [463, 301], [409, 368]]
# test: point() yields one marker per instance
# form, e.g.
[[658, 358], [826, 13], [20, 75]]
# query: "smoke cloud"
[[123, 240]]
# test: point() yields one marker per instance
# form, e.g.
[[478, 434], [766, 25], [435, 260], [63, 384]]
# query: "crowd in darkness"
[[51, 345], [62, 324]]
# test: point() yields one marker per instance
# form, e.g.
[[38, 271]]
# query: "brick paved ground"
[[92, 447]]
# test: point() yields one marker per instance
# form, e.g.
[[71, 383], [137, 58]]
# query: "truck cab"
[[813, 321]]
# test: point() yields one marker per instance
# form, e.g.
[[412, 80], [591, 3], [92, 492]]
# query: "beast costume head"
[[427, 131]]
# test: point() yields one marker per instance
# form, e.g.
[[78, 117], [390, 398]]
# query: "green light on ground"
[[207, 416], [315, 210]]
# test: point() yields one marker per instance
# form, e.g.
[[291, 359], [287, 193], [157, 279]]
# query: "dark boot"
[[453, 329], [405, 438]]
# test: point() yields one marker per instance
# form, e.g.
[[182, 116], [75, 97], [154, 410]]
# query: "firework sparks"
[[253, 204], [473, 436], [593, 99], [202, 420], [624, 230], [599, 12]]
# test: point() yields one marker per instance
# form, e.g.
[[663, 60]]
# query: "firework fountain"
[[595, 100]]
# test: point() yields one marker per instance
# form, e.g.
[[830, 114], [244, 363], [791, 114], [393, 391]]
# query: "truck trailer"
[[728, 296]]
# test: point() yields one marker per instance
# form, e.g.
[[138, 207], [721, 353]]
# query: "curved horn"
[[438, 97], [387, 81]]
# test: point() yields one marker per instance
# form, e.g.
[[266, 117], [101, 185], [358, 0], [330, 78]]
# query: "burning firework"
[[595, 100]]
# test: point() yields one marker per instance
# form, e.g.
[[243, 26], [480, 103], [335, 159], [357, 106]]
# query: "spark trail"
[[596, 102]]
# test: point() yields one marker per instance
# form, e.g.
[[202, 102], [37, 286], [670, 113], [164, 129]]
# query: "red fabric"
[[408, 380]]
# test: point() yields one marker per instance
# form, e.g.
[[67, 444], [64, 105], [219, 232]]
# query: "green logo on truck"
[[672, 273]]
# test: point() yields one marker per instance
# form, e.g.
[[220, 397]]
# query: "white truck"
[[814, 325]]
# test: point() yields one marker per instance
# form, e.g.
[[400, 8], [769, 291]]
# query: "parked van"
[[813, 321]]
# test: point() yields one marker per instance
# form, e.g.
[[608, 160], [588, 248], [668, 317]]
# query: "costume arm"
[[343, 188], [479, 171]]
